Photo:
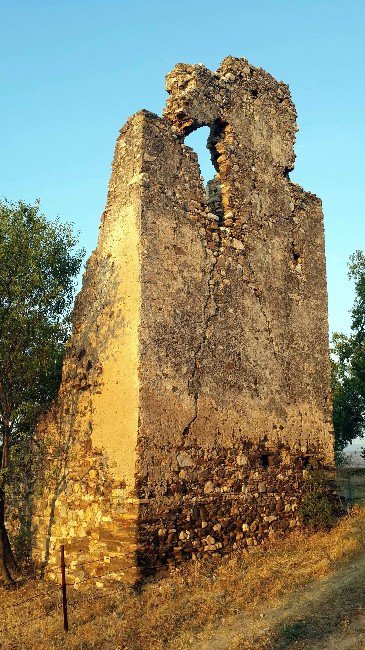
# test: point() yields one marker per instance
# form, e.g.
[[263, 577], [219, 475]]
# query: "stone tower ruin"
[[196, 383]]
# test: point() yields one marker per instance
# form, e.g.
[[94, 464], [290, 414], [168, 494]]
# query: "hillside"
[[305, 592]]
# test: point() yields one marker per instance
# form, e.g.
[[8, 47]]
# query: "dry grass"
[[268, 599]]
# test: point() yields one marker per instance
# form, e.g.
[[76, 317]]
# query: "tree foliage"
[[38, 270], [348, 365]]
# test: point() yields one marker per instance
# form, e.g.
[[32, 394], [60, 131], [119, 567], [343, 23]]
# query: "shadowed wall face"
[[203, 315]]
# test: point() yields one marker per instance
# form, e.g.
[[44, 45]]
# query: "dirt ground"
[[306, 619], [304, 592]]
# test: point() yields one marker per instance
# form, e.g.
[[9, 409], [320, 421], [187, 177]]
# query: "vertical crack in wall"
[[213, 199], [193, 382]]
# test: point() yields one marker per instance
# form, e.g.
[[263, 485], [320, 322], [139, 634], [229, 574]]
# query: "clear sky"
[[72, 71]]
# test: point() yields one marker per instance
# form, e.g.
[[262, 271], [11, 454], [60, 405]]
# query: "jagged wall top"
[[200, 97]]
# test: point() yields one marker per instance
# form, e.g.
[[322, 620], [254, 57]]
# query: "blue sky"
[[72, 72]]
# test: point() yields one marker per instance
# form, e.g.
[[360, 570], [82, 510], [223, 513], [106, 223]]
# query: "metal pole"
[[64, 592]]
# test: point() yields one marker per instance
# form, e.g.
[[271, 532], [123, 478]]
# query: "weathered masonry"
[[196, 382]]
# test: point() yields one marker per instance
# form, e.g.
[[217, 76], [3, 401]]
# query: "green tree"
[[38, 271], [348, 365]]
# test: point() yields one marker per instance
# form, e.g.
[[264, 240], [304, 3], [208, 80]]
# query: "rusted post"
[[64, 591]]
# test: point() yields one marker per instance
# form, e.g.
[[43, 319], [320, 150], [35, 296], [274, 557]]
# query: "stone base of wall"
[[250, 495], [99, 534], [218, 502]]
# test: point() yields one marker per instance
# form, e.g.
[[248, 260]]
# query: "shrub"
[[316, 510]]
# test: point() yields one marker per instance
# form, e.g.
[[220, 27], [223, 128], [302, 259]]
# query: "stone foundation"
[[235, 502]]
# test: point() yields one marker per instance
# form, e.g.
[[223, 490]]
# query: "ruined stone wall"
[[200, 336]]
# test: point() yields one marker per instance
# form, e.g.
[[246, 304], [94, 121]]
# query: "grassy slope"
[[305, 592]]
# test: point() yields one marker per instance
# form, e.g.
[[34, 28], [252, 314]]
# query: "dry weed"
[[189, 606]]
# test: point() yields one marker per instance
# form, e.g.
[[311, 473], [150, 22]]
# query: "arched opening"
[[200, 141], [197, 140]]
